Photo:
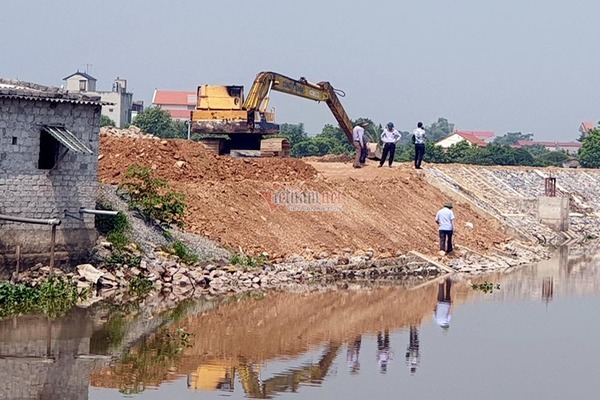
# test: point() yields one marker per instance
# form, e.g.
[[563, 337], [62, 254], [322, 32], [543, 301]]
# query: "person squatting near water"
[[419, 142], [359, 143], [389, 137], [445, 220]]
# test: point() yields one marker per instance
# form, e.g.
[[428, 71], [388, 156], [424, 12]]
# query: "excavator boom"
[[265, 82]]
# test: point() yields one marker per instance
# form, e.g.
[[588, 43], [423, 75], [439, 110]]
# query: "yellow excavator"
[[227, 122]]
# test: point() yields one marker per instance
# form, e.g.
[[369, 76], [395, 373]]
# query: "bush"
[[182, 251], [247, 261], [151, 196]]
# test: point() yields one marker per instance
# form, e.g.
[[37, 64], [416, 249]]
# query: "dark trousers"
[[388, 148], [444, 291], [446, 241], [419, 153], [363, 155]]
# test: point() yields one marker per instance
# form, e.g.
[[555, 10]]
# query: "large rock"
[[89, 273]]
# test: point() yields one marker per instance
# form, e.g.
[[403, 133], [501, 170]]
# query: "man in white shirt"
[[358, 141], [389, 137], [445, 221], [419, 141]]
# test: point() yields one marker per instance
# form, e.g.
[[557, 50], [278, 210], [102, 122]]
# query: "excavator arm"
[[265, 82]]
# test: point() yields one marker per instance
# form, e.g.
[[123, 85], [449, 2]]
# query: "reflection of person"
[[443, 310], [445, 220], [358, 141], [413, 356], [383, 350], [419, 141], [389, 137], [352, 355]]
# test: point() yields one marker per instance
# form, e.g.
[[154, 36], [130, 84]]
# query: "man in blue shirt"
[[445, 220]]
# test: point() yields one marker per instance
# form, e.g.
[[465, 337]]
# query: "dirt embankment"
[[257, 204]]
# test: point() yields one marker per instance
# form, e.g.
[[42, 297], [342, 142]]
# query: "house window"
[[82, 85], [111, 109], [14, 140], [49, 148]]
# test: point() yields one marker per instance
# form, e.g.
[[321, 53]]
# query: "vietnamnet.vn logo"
[[302, 199]]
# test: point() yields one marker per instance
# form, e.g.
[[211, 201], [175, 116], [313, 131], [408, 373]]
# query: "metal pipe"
[[52, 245], [52, 221], [98, 212]]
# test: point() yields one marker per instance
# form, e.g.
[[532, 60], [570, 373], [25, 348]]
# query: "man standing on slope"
[[445, 221], [389, 137], [358, 141], [419, 141]]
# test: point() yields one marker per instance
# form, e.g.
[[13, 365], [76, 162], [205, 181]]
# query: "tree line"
[[332, 140]]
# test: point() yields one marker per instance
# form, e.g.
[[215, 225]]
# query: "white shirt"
[[419, 135], [445, 218], [388, 136], [358, 134], [442, 314]]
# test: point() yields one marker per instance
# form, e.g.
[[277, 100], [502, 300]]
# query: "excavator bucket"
[[374, 151]]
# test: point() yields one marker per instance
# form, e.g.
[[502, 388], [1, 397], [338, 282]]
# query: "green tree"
[[337, 135], [589, 154], [156, 121], [457, 153], [439, 130], [552, 158], [512, 138], [178, 129], [106, 121], [434, 153], [295, 133]]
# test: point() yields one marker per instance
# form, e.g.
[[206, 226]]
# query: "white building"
[[119, 102]]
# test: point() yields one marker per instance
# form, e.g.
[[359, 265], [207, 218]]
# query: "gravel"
[[148, 236]]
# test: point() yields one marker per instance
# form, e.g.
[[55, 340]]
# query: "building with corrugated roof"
[[49, 141]]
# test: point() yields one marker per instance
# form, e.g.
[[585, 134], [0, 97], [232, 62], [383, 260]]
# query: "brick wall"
[[26, 191]]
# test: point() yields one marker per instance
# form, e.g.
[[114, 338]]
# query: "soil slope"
[[233, 201]]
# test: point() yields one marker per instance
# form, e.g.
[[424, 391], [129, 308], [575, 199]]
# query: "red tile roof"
[[471, 138], [587, 126], [173, 98], [479, 134], [179, 114], [524, 143]]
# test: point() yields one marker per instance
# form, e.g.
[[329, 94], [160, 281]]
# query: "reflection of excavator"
[[256, 388], [222, 110]]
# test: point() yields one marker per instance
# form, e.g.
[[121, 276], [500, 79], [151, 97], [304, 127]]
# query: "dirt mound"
[[345, 158], [178, 160], [285, 206]]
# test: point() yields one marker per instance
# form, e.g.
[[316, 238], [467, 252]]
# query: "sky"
[[528, 66]]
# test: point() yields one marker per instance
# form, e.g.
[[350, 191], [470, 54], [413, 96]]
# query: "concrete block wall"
[[554, 212], [26, 191]]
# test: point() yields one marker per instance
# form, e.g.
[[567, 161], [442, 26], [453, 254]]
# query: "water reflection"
[[352, 355], [295, 342], [413, 353], [443, 309]]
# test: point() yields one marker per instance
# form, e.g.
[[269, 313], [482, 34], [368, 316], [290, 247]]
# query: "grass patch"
[[152, 196], [247, 261], [140, 286], [53, 297], [182, 251]]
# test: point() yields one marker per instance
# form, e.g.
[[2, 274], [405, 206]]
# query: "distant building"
[[136, 108], [468, 136], [570, 148], [119, 102], [586, 127], [179, 104], [48, 168]]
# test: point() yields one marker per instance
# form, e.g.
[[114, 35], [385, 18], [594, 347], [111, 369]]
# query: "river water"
[[534, 337]]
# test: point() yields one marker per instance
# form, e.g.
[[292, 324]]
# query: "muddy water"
[[534, 337]]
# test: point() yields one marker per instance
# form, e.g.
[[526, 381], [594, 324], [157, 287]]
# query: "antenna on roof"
[[88, 68]]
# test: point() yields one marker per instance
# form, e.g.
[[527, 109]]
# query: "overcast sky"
[[504, 66]]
